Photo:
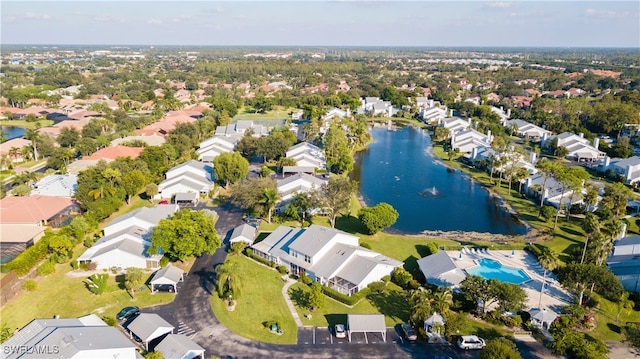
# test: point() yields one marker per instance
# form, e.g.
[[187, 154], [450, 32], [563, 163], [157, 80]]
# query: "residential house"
[[298, 183], [467, 140], [579, 147], [554, 192], [244, 233], [307, 156], [84, 337], [376, 107], [13, 149], [441, 270], [629, 168], [15, 238], [330, 115], [326, 255], [56, 186], [37, 210], [624, 262], [527, 130], [213, 147], [433, 112], [179, 346], [152, 140], [191, 176], [111, 153], [456, 124], [127, 239], [169, 122], [297, 115], [237, 130], [504, 116]]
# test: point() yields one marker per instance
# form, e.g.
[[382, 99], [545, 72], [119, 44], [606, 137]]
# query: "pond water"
[[400, 169], [11, 132]]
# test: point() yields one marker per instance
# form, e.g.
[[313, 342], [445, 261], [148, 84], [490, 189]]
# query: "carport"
[[363, 323], [168, 275]]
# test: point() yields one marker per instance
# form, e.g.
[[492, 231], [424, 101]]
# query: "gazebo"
[[543, 318], [168, 275]]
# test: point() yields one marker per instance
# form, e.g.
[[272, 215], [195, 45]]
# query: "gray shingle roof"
[[440, 269], [243, 232], [366, 323], [149, 215], [313, 239], [176, 346]]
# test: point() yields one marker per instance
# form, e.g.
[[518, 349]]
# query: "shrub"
[[97, 283], [47, 268], [348, 300], [74, 265], [83, 266], [282, 269], [26, 260], [249, 253], [365, 245], [432, 248], [548, 212], [30, 285], [92, 266], [111, 321], [237, 248], [306, 280]]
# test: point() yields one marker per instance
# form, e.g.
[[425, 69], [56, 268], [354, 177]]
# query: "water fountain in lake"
[[430, 192]]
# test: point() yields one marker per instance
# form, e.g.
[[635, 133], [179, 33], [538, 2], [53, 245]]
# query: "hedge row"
[[28, 259], [249, 253], [343, 298]]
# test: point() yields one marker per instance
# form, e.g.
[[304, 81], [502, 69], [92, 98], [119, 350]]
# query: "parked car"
[[340, 331], [128, 312], [409, 332], [467, 342]]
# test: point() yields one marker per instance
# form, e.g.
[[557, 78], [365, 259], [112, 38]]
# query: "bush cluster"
[[26, 260], [348, 300], [249, 253]]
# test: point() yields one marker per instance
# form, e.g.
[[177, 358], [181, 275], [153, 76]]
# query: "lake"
[[11, 132], [400, 169]]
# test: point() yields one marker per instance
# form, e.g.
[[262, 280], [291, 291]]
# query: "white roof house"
[[243, 233], [191, 176], [440, 269], [327, 255], [238, 129], [553, 191], [178, 346], [377, 107], [456, 124], [624, 262], [528, 130], [84, 337], [127, 239], [298, 183], [149, 326], [504, 116], [56, 186], [469, 139], [307, 155], [214, 147], [434, 114], [579, 147], [629, 168]]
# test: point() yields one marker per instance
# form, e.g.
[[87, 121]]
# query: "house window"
[[307, 258], [294, 254]]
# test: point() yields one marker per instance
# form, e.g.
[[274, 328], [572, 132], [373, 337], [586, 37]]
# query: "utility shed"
[[363, 323]]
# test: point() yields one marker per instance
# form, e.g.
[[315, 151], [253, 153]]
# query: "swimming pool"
[[492, 269]]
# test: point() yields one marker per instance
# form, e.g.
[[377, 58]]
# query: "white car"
[[340, 331], [467, 342]]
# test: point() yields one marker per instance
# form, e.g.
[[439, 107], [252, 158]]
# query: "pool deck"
[[554, 296]]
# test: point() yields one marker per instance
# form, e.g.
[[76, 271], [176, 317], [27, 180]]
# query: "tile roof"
[[31, 209], [115, 152]]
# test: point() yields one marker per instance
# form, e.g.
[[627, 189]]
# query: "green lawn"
[[611, 319], [278, 112], [58, 294], [260, 301], [392, 304]]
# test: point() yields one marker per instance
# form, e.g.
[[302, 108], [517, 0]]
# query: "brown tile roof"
[[31, 209], [13, 143], [115, 152]]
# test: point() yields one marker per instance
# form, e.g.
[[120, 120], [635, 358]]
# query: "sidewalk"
[[285, 294]]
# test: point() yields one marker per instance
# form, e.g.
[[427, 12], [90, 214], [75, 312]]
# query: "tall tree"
[[378, 217], [549, 261], [133, 279], [547, 169], [187, 233], [133, 182], [591, 227], [228, 282], [615, 198], [230, 167], [270, 197], [336, 196]]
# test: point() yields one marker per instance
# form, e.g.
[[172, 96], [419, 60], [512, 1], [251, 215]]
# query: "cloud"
[[36, 16], [154, 22], [607, 14], [500, 4], [109, 18]]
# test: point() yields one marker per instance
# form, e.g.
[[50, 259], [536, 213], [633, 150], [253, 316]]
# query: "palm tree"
[[442, 300], [33, 135], [269, 199], [549, 261], [100, 191], [591, 226], [420, 300], [228, 282]]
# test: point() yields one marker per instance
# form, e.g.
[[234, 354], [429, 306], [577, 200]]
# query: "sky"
[[323, 23]]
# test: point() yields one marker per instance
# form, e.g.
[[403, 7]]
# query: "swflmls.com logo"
[[25, 349]]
